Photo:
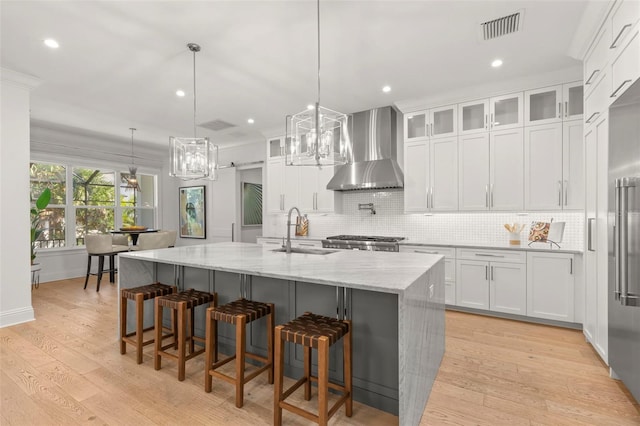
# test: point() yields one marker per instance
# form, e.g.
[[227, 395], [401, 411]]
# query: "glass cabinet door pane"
[[542, 106], [416, 126], [506, 112], [274, 148], [575, 100], [443, 122], [473, 117]]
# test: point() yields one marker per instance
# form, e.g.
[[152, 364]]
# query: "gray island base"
[[394, 300]]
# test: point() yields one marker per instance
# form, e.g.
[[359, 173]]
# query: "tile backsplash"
[[456, 227]]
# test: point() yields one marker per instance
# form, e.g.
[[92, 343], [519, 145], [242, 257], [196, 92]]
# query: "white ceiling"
[[120, 62]]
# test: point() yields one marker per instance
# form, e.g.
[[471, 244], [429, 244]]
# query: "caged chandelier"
[[193, 158], [318, 136]]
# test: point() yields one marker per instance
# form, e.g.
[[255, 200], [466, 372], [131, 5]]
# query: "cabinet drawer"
[[597, 101], [492, 255], [448, 252], [626, 67], [306, 244], [269, 242]]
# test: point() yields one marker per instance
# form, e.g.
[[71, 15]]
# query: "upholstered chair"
[[101, 245]]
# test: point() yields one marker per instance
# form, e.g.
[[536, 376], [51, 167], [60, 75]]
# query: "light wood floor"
[[66, 368]]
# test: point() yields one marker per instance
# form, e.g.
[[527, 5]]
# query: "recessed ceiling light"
[[51, 43], [386, 89], [250, 121], [496, 63], [180, 93], [310, 106]]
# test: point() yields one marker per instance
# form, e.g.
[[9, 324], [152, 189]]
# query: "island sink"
[[305, 250]]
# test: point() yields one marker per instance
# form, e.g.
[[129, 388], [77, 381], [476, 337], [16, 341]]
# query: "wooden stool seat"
[[313, 332], [139, 295], [180, 303], [238, 313]]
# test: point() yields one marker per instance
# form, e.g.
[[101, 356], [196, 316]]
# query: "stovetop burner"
[[366, 238]]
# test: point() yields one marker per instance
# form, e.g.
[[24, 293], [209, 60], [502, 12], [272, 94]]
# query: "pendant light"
[[318, 136], [132, 180], [193, 158]]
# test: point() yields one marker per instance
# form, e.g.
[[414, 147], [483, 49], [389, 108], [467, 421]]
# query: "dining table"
[[135, 233]]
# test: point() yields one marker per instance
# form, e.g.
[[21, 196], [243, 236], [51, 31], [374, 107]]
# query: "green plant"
[[41, 203]]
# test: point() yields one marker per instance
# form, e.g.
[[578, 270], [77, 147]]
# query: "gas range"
[[362, 242]]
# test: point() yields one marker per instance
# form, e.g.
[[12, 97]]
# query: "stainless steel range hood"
[[374, 154]]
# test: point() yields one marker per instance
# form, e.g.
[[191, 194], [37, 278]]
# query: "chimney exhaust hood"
[[374, 154]]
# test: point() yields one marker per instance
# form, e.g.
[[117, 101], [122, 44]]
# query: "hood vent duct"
[[374, 154]]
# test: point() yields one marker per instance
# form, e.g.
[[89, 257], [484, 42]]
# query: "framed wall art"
[[251, 204], [193, 214]]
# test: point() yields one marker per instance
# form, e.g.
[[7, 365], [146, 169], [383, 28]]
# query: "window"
[[83, 200]]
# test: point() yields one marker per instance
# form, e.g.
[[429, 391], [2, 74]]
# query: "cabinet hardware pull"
[[233, 225], [559, 109], [492, 273], [307, 244], [589, 233], [485, 121], [431, 129], [615, 92], [486, 273], [426, 252], [560, 193], [591, 76], [615, 40], [491, 205], [571, 266], [337, 302], [432, 197], [427, 195], [591, 117], [566, 192], [488, 255], [486, 195], [272, 242], [566, 109], [491, 120]]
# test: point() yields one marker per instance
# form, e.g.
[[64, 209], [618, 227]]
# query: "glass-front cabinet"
[[275, 147], [415, 125], [554, 104], [573, 95], [433, 123], [506, 111], [473, 116]]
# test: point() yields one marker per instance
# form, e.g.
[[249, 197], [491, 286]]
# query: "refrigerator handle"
[[616, 242]]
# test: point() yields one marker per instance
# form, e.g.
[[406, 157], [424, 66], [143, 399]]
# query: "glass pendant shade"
[[193, 158], [305, 148], [132, 179]]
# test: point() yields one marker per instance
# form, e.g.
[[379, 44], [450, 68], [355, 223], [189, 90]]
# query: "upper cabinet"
[[497, 113], [553, 104], [433, 123], [275, 147]]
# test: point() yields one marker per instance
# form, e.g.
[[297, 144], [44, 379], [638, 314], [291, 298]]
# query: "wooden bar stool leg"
[[241, 323], [157, 362], [307, 372], [209, 344], [279, 366], [123, 323], [140, 325], [323, 380], [270, 325], [347, 358], [182, 331], [191, 331]]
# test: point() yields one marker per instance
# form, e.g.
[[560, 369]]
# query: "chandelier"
[[132, 179], [318, 136], [193, 158]]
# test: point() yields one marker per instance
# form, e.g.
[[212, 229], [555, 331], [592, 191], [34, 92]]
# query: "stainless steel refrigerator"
[[624, 238]]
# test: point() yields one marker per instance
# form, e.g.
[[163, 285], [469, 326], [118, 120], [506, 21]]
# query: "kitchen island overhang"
[[392, 299]]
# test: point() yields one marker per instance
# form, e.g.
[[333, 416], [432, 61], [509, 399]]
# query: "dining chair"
[[152, 240], [101, 245]]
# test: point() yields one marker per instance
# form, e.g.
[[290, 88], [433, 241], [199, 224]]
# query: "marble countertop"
[[375, 271]]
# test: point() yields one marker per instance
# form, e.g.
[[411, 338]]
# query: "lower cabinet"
[[449, 254], [498, 285], [550, 290]]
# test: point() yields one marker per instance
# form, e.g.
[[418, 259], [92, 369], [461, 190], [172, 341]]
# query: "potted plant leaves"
[[36, 232]]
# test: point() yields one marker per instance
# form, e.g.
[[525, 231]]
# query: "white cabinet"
[[432, 123], [499, 112], [275, 178], [597, 101], [625, 68], [449, 267], [553, 104], [491, 280], [431, 175], [596, 60], [491, 170], [275, 147], [550, 286], [595, 325], [270, 243], [313, 195], [624, 17], [553, 166]]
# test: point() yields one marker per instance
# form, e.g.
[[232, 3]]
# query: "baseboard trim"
[[16, 316], [543, 321]]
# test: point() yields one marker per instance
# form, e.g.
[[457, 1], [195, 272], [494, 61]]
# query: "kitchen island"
[[394, 300]]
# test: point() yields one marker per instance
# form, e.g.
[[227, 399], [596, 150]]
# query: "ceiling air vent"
[[501, 26], [216, 125]]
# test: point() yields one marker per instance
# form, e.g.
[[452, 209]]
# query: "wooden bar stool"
[[239, 313], [318, 332], [139, 295], [180, 303]]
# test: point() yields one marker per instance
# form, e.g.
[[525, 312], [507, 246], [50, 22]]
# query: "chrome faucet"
[[288, 244]]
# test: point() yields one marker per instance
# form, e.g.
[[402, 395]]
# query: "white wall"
[[15, 270]]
